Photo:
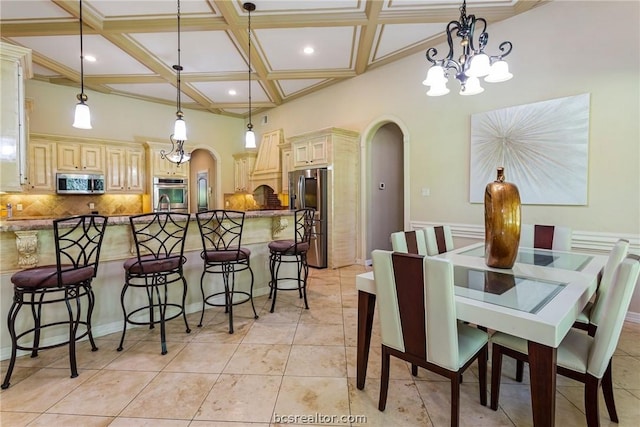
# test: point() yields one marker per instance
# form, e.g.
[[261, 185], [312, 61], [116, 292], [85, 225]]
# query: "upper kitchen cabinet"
[[41, 161], [267, 169], [80, 157], [125, 169], [311, 153], [15, 67], [243, 164], [162, 167]]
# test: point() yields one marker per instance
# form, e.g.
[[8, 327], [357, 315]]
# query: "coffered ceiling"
[[135, 44]]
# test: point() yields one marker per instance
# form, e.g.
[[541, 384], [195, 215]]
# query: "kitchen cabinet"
[[165, 168], [243, 164], [339, 151], [312, 153], [287, 166], [15, 67], [78, 157], [41, 176], [125, 170]]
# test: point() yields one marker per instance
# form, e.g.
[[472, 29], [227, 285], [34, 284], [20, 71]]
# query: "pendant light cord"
[[250, 124], [178, 67], [81, 59]]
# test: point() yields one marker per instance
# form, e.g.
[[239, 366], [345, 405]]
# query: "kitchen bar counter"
[[41, 223], [25, 243]]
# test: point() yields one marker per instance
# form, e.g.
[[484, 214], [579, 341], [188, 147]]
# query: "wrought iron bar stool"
[[222, 253], [292, 251], [159, 240], [78, 240]]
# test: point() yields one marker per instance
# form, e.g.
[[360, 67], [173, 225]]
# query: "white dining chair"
[[584, 319], [439, 239], [580, 356], [409, 242], [420, 288], [550, 237], [591, 315]]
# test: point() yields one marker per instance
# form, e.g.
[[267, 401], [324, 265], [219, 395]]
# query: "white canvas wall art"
[[543, 147]]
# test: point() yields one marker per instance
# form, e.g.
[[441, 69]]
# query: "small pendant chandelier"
[[82, 119], [179, 136], [250, 136], [472, 64]]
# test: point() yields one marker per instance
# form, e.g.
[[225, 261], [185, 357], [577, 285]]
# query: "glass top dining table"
[[519, 292], [538, 299]]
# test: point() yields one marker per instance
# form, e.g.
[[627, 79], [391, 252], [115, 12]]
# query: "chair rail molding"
[[580, 240]]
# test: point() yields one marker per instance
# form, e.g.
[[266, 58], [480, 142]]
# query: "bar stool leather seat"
[[288, 247], [47, 276]]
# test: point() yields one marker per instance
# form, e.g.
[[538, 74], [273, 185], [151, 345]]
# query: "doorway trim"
[[366, 138]]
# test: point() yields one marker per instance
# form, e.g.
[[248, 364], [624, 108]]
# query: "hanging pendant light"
[[179, 136], [82, 119], [250, 136]]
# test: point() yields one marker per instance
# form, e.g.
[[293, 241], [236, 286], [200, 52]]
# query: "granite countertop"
[[44, 223]]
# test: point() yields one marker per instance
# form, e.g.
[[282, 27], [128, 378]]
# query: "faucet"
[[164, 198]]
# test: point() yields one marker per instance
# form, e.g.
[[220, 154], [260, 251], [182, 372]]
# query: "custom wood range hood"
[[267, 170]]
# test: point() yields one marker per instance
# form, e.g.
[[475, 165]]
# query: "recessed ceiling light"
[[90, 58], [308, 50], [232, 92]]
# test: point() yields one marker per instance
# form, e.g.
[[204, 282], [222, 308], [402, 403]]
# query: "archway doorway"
[[202, 181], [385, 186]]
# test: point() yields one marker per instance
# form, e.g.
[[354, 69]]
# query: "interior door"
[[203, 191]]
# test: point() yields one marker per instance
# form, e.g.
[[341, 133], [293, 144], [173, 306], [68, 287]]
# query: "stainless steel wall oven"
[[171, 194]]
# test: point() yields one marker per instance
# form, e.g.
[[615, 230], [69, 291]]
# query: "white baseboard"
[[632, 317]]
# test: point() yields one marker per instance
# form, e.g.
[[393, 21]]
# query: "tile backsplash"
[[52, 205]]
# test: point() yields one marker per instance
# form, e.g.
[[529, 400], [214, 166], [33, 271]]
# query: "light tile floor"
[[291, 362]]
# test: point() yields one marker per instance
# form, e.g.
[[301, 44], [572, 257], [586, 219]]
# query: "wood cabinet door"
[[135, 170], [125, 170], [91, 158], [318, 152], [68, 157], [301, 155], [41, 177], [116, 169]]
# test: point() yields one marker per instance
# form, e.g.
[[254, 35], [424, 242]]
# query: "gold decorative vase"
[[501, 222]]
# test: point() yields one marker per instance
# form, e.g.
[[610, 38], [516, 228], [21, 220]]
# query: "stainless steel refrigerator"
[[308, 189]]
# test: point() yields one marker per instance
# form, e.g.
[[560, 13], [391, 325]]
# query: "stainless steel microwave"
[[73, 183]]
